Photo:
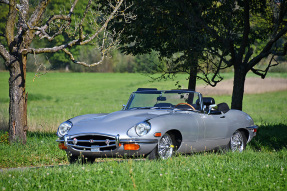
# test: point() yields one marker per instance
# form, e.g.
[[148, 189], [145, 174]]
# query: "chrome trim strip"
[[88, 141], [252, 127], [91, 134], [77, 146], [144, 141], [251, 132], [117, 140]]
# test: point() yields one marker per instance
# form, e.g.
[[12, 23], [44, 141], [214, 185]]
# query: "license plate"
[[95, 148]]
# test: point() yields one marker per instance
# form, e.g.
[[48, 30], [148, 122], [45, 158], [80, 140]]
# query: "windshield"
[[165, 100]]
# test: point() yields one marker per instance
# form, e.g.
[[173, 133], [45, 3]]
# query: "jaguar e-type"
[[157, 123]]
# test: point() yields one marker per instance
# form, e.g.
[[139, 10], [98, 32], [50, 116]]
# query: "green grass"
[[41, 149], [55, 97], [207, 171]]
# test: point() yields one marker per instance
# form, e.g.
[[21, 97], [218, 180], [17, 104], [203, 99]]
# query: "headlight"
[[64, 128], [142, 128]]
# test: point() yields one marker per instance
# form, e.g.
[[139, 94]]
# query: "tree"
[[166, 27], [246, 31], [25, 25], [221, 33]]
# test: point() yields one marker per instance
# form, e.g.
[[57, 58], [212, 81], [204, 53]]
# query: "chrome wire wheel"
[[237, 141], [165, 147]]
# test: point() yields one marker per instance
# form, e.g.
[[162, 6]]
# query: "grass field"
[[55, 97]]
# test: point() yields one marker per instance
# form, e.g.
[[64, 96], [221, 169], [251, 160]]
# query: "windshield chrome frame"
[[162, 92]]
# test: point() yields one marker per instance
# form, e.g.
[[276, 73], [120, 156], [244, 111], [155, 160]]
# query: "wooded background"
[[116, 61]]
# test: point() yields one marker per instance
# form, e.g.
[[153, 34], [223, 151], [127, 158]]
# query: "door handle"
[[222, 116]]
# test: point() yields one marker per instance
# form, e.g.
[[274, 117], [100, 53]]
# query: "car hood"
[[114, 123]]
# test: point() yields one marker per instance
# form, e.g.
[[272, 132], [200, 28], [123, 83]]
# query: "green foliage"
[[170, 28], [3, 16]]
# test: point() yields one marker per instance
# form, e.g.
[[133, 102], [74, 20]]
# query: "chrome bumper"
[[252, 132], [112, 143]]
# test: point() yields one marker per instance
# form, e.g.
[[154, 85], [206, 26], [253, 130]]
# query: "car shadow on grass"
[[270, 137]]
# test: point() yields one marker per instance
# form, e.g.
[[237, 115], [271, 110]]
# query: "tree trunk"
[[18, 100], [193, 63], [238, 87]]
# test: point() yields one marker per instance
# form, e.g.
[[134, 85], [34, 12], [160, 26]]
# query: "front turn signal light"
[[157, 134], [131, 147], [62, 146]]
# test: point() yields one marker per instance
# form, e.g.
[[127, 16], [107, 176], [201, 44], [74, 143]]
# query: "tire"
[[164, 149], [81, 160], [73, 159], [237, 142]]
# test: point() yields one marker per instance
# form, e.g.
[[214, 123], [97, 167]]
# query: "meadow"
[[56, 97]]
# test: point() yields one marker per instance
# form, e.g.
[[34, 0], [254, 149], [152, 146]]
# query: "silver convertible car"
[[157, 123]]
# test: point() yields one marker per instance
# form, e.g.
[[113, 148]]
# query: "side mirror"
[[124, 107]]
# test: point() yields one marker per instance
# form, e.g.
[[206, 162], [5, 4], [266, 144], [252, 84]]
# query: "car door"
[[215, 129]]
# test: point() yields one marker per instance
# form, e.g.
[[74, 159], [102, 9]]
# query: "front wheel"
[[164, 149], [237, 141], [81, 160]]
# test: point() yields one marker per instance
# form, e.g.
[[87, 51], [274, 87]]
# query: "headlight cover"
[[142, 128], [64, 128]]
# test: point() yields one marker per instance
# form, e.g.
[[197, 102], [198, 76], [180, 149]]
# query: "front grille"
[[93, 143]]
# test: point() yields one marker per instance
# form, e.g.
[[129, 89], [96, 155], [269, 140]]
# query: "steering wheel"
[[185, 104]]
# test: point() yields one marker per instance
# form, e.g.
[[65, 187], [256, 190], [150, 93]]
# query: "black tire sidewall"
[[153, 155], [243, 137]]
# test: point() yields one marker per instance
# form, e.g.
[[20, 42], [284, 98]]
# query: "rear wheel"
[[237, 141], [164, 149]]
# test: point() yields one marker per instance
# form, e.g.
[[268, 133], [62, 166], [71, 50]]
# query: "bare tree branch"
[[216, 53], [4, 53], [263, 73], [103, 50], [248, 55], [8, 3], [106, 23], [5, 2], [83, 63], [72, 8], [38, 12], [42, 30], [129, 16], [77, 41], [267, 49], [214, 68]]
